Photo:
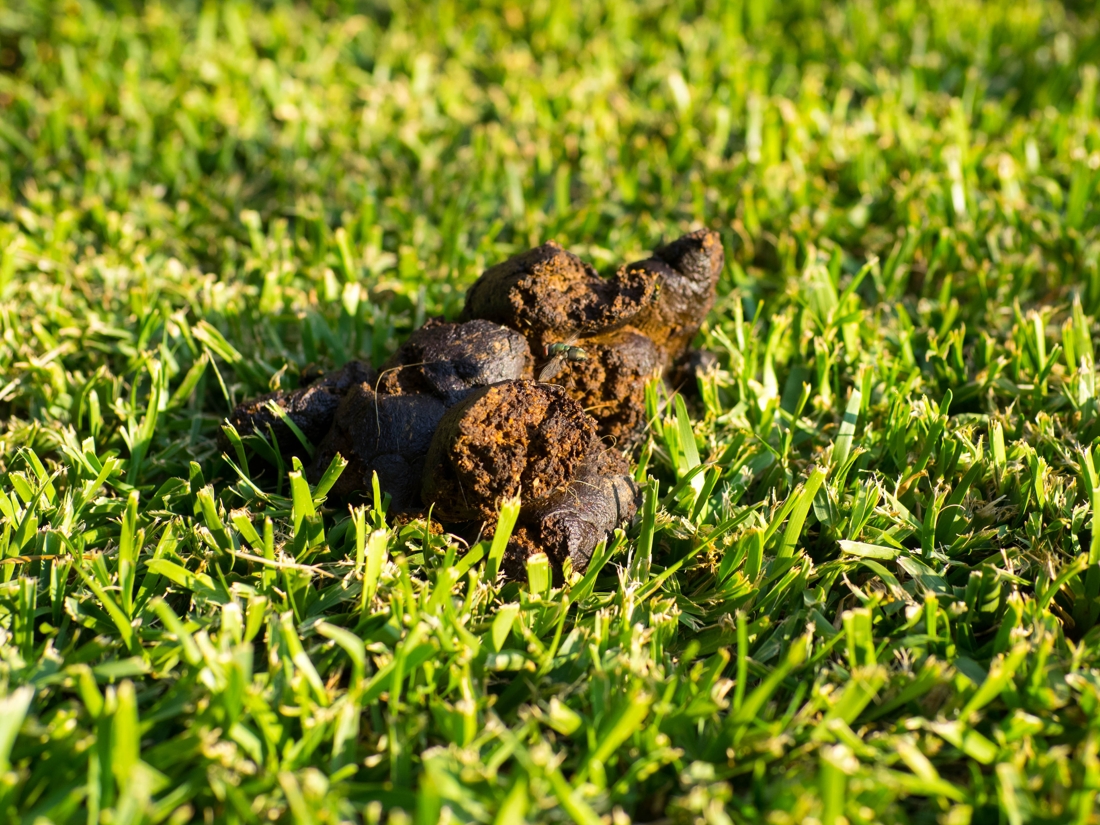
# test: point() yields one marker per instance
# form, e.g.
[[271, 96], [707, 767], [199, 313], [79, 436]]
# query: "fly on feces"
[[560, 354]]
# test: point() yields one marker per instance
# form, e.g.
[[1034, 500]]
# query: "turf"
[[865, 583]]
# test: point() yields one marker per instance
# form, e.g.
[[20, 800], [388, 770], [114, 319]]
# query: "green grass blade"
[[801, 509]]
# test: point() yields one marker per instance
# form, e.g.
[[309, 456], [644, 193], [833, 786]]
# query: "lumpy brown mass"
[[379, 433], [570, 522], [634, 325], [549, 294], [449, 361], [610, 382], [311, 408], [686, 272], [386, 427], [513, 439], [457, 422]]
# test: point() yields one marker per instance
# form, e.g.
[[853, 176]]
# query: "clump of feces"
[[538, 391]]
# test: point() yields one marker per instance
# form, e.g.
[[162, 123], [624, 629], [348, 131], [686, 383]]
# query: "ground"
[[865, 581]]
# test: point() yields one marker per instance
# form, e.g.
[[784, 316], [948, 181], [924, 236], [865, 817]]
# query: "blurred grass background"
[[197, 201]]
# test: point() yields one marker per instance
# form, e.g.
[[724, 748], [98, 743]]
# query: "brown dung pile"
[[535, 393]]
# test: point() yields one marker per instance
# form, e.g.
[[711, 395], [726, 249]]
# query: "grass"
[[865, 584]]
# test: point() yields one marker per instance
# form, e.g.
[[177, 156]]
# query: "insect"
[[656, 293], [560, 354]]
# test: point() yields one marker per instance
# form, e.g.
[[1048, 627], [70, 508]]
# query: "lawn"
[[864, 585]]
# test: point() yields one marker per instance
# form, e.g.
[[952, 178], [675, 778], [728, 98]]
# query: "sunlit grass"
[[864, 583]]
